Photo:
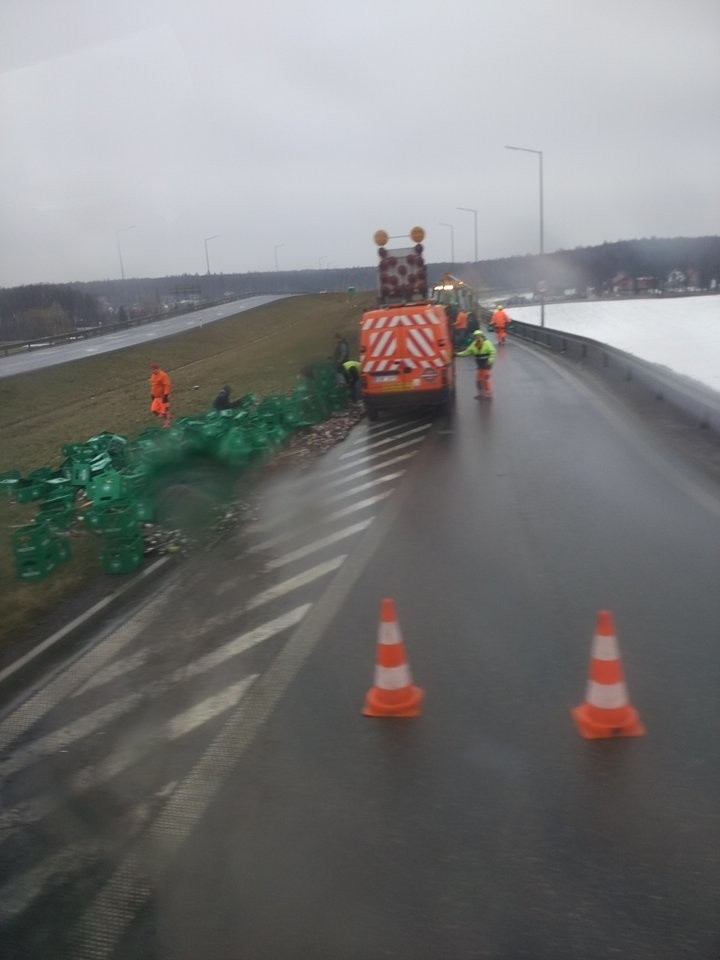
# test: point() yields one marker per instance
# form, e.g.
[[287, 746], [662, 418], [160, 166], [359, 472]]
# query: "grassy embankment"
[[260, 351]]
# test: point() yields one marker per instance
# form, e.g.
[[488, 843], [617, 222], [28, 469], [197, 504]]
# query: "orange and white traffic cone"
[[606, 711], [393, 694]]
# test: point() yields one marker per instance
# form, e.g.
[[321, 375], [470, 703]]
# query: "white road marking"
[[381, 431], [69, 734], [294, 583], [370, 457], [208, 709], [382, 443], [33, 810], [371, 469], [365, 486], [19, 893], [318, 544], [114, 670], [59, 689], [360, 505], [237, 646]]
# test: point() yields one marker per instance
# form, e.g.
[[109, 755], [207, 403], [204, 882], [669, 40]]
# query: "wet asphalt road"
[[51, 356], [202, 784]]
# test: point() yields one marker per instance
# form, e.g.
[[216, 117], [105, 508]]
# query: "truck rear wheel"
[[372, 412]]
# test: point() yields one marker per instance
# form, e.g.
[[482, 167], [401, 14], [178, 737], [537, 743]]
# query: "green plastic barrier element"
[[27, 491], [80, 474], [119, 519], [107, 487], [30, 539], [59, 486], [34, 551], [123, 555], [235, 449], [145, 509], [9, 483], [59, 521], [92, 516]]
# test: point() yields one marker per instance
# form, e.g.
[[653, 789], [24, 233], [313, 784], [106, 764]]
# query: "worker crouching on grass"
[[160, 394], [484, 352]]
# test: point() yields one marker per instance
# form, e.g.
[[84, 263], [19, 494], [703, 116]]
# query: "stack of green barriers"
[[117, 474]]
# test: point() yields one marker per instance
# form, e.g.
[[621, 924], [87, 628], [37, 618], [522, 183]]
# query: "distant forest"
[[679, 263]]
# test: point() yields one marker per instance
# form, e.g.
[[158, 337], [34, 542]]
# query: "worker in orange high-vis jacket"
[[460, 329], [499, 321], [160, 394]]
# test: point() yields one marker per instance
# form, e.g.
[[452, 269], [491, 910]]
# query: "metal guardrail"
[[696, 400], [83, 334]]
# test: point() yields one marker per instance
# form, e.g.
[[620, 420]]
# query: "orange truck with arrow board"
[[406, 346]]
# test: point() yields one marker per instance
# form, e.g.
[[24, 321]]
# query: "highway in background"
[[118, 340], [201, 782]]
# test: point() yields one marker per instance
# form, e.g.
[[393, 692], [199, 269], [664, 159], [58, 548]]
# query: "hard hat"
[[154, 366], [478, 333], [500, 306]]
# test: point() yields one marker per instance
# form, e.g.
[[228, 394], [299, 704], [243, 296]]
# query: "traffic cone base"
[[592, 729], [377, 703]]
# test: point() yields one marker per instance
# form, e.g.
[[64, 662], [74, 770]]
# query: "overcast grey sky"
[[312, 123]]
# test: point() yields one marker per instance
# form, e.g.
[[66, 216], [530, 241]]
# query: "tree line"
[[46, 309]]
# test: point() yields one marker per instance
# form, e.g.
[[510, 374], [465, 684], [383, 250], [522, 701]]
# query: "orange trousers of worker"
[[161, 410], [483, 382]]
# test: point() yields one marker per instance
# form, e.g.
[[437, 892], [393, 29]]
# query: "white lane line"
[[382, 443], [69, 734], [365, 486], [318, 544], [208, 709], [227, 650], [380, 432], [369, 458], [371, 469], [19, 893], [360, 505], [294, 583], [113, 670], [97, 719], [337, 515], [237, 646], [59, 689], [33, 810]]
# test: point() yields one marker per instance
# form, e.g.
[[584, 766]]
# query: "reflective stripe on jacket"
[[487, 351]]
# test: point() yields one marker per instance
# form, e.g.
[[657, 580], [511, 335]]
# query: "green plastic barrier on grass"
[[117, 474]]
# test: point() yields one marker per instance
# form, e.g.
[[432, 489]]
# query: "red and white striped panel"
[[429, 315], [420, 343]]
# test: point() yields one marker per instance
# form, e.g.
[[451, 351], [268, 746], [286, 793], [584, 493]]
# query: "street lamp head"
[[525, 150]]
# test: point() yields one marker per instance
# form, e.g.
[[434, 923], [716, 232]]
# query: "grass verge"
[[260, 351]]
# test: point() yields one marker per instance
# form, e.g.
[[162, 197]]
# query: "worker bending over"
[[484, 352]]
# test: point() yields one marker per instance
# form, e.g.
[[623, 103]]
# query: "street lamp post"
[[452, 240], [539, 155], [207, 258], [276, 248], [119, 249], [474, 213]]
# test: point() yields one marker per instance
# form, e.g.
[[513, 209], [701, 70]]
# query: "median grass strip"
[[260, 351]]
